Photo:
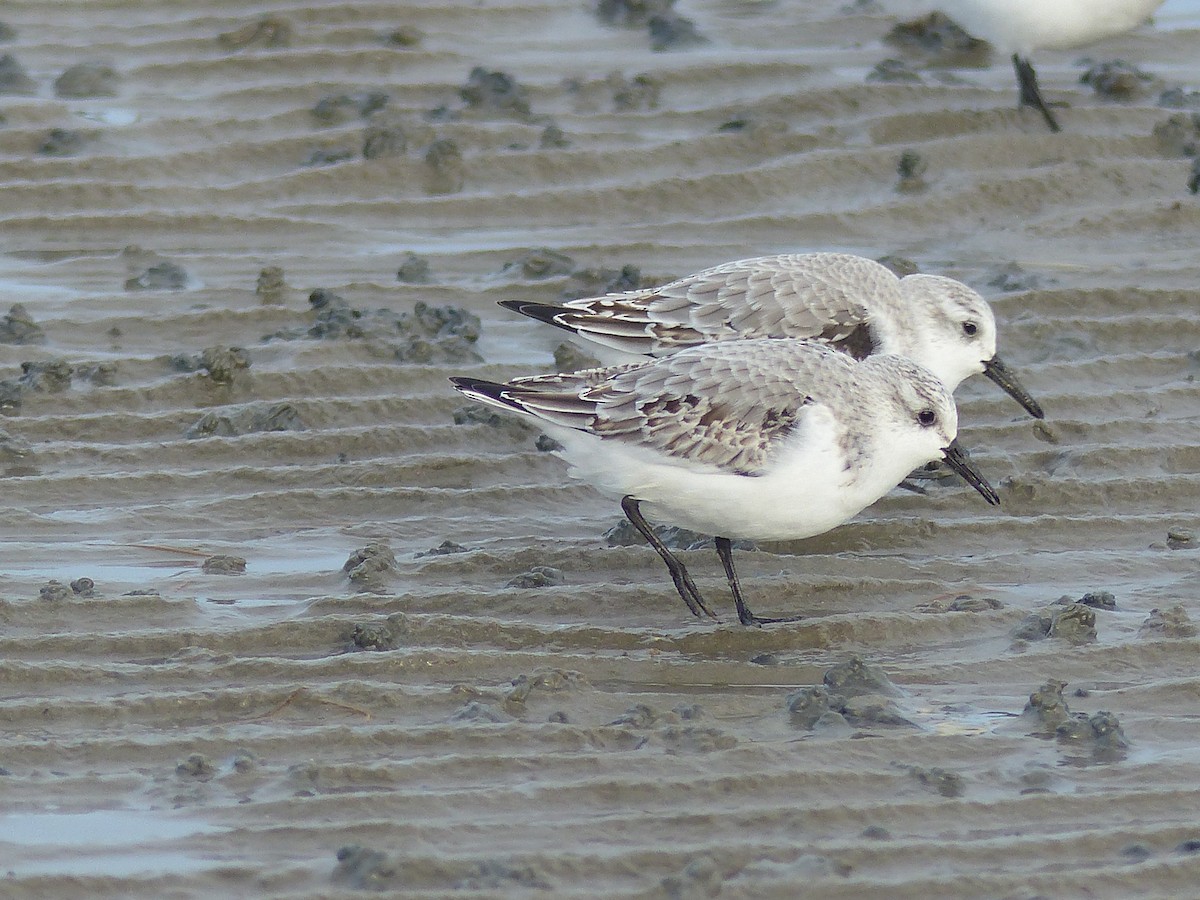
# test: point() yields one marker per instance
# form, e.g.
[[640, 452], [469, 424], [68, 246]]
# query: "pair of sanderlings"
[[1019, 27], [769, 398]]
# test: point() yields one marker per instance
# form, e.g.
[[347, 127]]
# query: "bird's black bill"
[[956, 458], [1003, 376]]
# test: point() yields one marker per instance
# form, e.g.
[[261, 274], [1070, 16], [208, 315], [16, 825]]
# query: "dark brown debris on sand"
[[852, 693], [13, 78], [940, 41], [222, 564], [1050, 716], [1172, 622], [88, 79], [17, 327], [1118, 80], [371, 567], [493, 91], [271, 289], [270, 31], [249, 419]]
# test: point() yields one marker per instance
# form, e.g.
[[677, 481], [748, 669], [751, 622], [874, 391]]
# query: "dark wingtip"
[[479, 386], [543, 312]]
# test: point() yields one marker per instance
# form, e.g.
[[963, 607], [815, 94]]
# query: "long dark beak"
[[956, 458], [1003, 376]]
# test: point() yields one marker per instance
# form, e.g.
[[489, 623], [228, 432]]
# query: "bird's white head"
[[952, 331]]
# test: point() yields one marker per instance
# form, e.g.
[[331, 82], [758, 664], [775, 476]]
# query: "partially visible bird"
[[848, 302], [763, 439], [1019, 27]]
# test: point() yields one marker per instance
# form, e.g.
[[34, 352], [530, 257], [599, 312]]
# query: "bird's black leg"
[[679, 574], [725, 551], [1031, 94]]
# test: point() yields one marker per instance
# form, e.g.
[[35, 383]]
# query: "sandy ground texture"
[[281, 615]]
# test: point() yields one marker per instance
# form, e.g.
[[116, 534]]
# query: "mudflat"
[[282, 615]]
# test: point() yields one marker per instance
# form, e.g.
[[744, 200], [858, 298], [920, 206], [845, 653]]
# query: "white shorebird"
[[851, 303], [1019, 27], [757, 439]]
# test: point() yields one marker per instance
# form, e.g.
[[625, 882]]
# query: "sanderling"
[[852, 303], [1018, 27], [761, 439]]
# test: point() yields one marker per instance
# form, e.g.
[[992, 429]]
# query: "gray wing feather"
[[814, 295], [727, 405]]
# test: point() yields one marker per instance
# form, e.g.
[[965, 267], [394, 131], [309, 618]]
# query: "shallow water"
[[232, 733]]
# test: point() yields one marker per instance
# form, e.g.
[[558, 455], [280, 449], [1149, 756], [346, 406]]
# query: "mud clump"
[[911, 168], [270, 288], [495, 92], [376, 636], [445, 548], [55, 591], [672, 31], [1051, 717], [939, 781], [405, 37], [699, 878], [1179, 97], [538, 264], [17, 327], [249, 419], [269, 31], [413, 269], [197, 766], [1076, 624], [550, 681], [384, 139], [498, 875], [13, 77], [338, 109], [1098, 600], [360, 868], [62, 142], [1178, 135], [427, 335], [962, 603], [596, 281], [852, 693], [1117, 80], [631, 13], [667, 29], [538, 577], [1181, 539], [224, 565], [893, 71], [161, 276], [1173, 622], [53, 377], [371, 566], [223, 364], [941, 41], [445, 171], [87, 79], [623, 534]]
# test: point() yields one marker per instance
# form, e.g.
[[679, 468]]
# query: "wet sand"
[[199, 700]]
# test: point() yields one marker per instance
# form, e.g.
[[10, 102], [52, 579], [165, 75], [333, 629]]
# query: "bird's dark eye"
[[969, 329], [926, 417]]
